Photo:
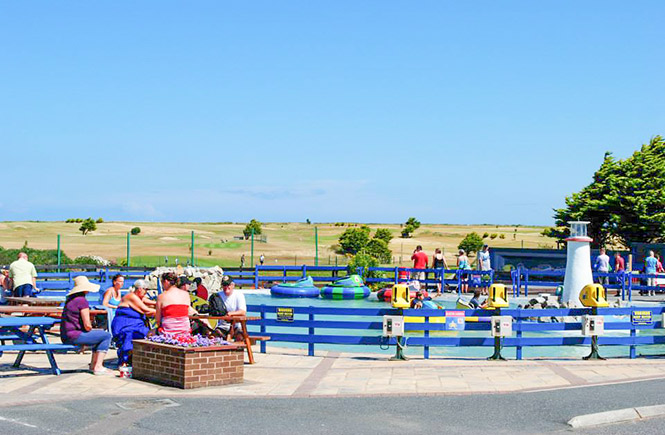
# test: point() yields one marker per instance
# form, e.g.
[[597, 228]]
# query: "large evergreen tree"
[[625, 202]]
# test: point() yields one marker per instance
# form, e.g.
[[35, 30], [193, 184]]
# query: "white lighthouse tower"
[[578, 264]]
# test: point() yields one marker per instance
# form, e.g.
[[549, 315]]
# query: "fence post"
[[632, 336], [192, 251], [396, 275], [630, 287], [304, 271], [263, 328], [426, 346], [58, 253], [310, 346], [283, 273], [459, 282], [256, 276], [518, 348], [526, 282]]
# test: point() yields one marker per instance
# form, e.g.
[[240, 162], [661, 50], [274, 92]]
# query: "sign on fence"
[[284, 314], [641, 318], [455, 320]]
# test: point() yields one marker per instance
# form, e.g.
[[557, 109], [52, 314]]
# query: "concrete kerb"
[[617, 416]]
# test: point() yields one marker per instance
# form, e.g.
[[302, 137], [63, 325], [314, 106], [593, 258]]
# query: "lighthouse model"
[[578, 264]]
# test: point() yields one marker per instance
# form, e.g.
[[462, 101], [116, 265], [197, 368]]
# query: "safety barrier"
[[623, 282], [527, 329], [389, 275]]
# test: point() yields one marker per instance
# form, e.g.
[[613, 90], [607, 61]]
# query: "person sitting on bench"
[[233, 304], [76, 327], [129, 322], [173, 307]]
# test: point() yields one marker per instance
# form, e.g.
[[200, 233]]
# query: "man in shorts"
[[24, 276], [235, 306], [650, 268], [603, 265], [419, 262]]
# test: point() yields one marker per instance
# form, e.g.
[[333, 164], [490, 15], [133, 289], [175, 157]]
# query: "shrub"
[[383, 234], [485, 235], [502, 236], [354, 239], [135, 231], [378, 249], [92, 259], [471, 243], [493, 236], [100, 220], [88, 226], [308, 221], [37, 256], [252, 225], [78, 220], [365, 261]]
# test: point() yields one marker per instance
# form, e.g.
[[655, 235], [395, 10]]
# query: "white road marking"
[[12, 420]]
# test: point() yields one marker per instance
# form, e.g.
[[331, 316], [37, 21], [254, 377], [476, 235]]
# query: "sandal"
[[102, 371]]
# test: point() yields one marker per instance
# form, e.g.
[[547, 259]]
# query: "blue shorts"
[[23, 291]]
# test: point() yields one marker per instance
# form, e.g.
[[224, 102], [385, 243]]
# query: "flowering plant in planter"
[[187, 340]]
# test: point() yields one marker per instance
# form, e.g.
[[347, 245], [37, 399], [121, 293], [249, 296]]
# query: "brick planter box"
[[188, 367]]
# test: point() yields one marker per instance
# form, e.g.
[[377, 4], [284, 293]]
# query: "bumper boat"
[[350, 287], [303, 288]]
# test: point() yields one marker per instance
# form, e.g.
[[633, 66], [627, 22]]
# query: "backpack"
[[217, 306]]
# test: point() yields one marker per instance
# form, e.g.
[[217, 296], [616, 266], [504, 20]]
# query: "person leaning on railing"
[[76, 327]]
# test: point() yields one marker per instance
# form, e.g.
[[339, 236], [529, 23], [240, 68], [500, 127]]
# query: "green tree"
[[88, 226], [100, 220], [253, 224], [411, 225], [472, 242], [353, 240], [383, 234], [135, 231], [378, 249], [625, 201]]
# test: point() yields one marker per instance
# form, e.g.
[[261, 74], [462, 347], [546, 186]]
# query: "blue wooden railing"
[[323, 331], [624, 282]]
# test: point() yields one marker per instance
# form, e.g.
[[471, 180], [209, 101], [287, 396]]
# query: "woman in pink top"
[[173, 307]]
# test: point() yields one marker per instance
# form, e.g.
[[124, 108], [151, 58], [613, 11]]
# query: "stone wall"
[[186, 368], [211, 277]]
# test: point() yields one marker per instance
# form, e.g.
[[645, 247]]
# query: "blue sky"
[[453, 112]]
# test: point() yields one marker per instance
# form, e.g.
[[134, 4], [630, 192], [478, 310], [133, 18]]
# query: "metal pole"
[[316, 243], [192, 259], [251, 258], [128, 264], [59, 253]]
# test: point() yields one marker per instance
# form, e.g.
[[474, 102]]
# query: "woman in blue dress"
[[130, 323]]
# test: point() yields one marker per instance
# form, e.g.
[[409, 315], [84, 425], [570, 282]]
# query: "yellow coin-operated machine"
[[498, 298], [400, 297], [593, 295]]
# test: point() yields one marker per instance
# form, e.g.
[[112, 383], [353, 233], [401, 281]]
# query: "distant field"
[[288, 243]]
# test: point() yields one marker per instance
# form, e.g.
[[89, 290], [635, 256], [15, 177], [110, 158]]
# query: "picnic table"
[[243, 323], [36, 301], [31, 339], [49, 311]]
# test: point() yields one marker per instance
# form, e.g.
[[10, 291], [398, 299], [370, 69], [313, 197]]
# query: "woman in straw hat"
[[76, 327]]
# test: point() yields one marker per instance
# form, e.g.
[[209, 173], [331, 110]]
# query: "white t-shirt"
[[484, 260], [235, 302]]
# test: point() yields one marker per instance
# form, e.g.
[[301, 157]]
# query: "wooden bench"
[[33, 339], [254, 338]]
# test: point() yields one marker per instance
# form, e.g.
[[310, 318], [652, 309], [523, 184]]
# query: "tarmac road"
[[537, 412]]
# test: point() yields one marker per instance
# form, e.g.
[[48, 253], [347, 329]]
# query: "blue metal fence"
[[623, 282], [324, 331]]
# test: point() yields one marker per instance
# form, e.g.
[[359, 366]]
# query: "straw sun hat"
[[81, 284]]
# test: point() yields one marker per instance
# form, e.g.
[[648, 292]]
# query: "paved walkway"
[[286, 372]]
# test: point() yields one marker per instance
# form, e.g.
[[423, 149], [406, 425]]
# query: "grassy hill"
[[287, 243]]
